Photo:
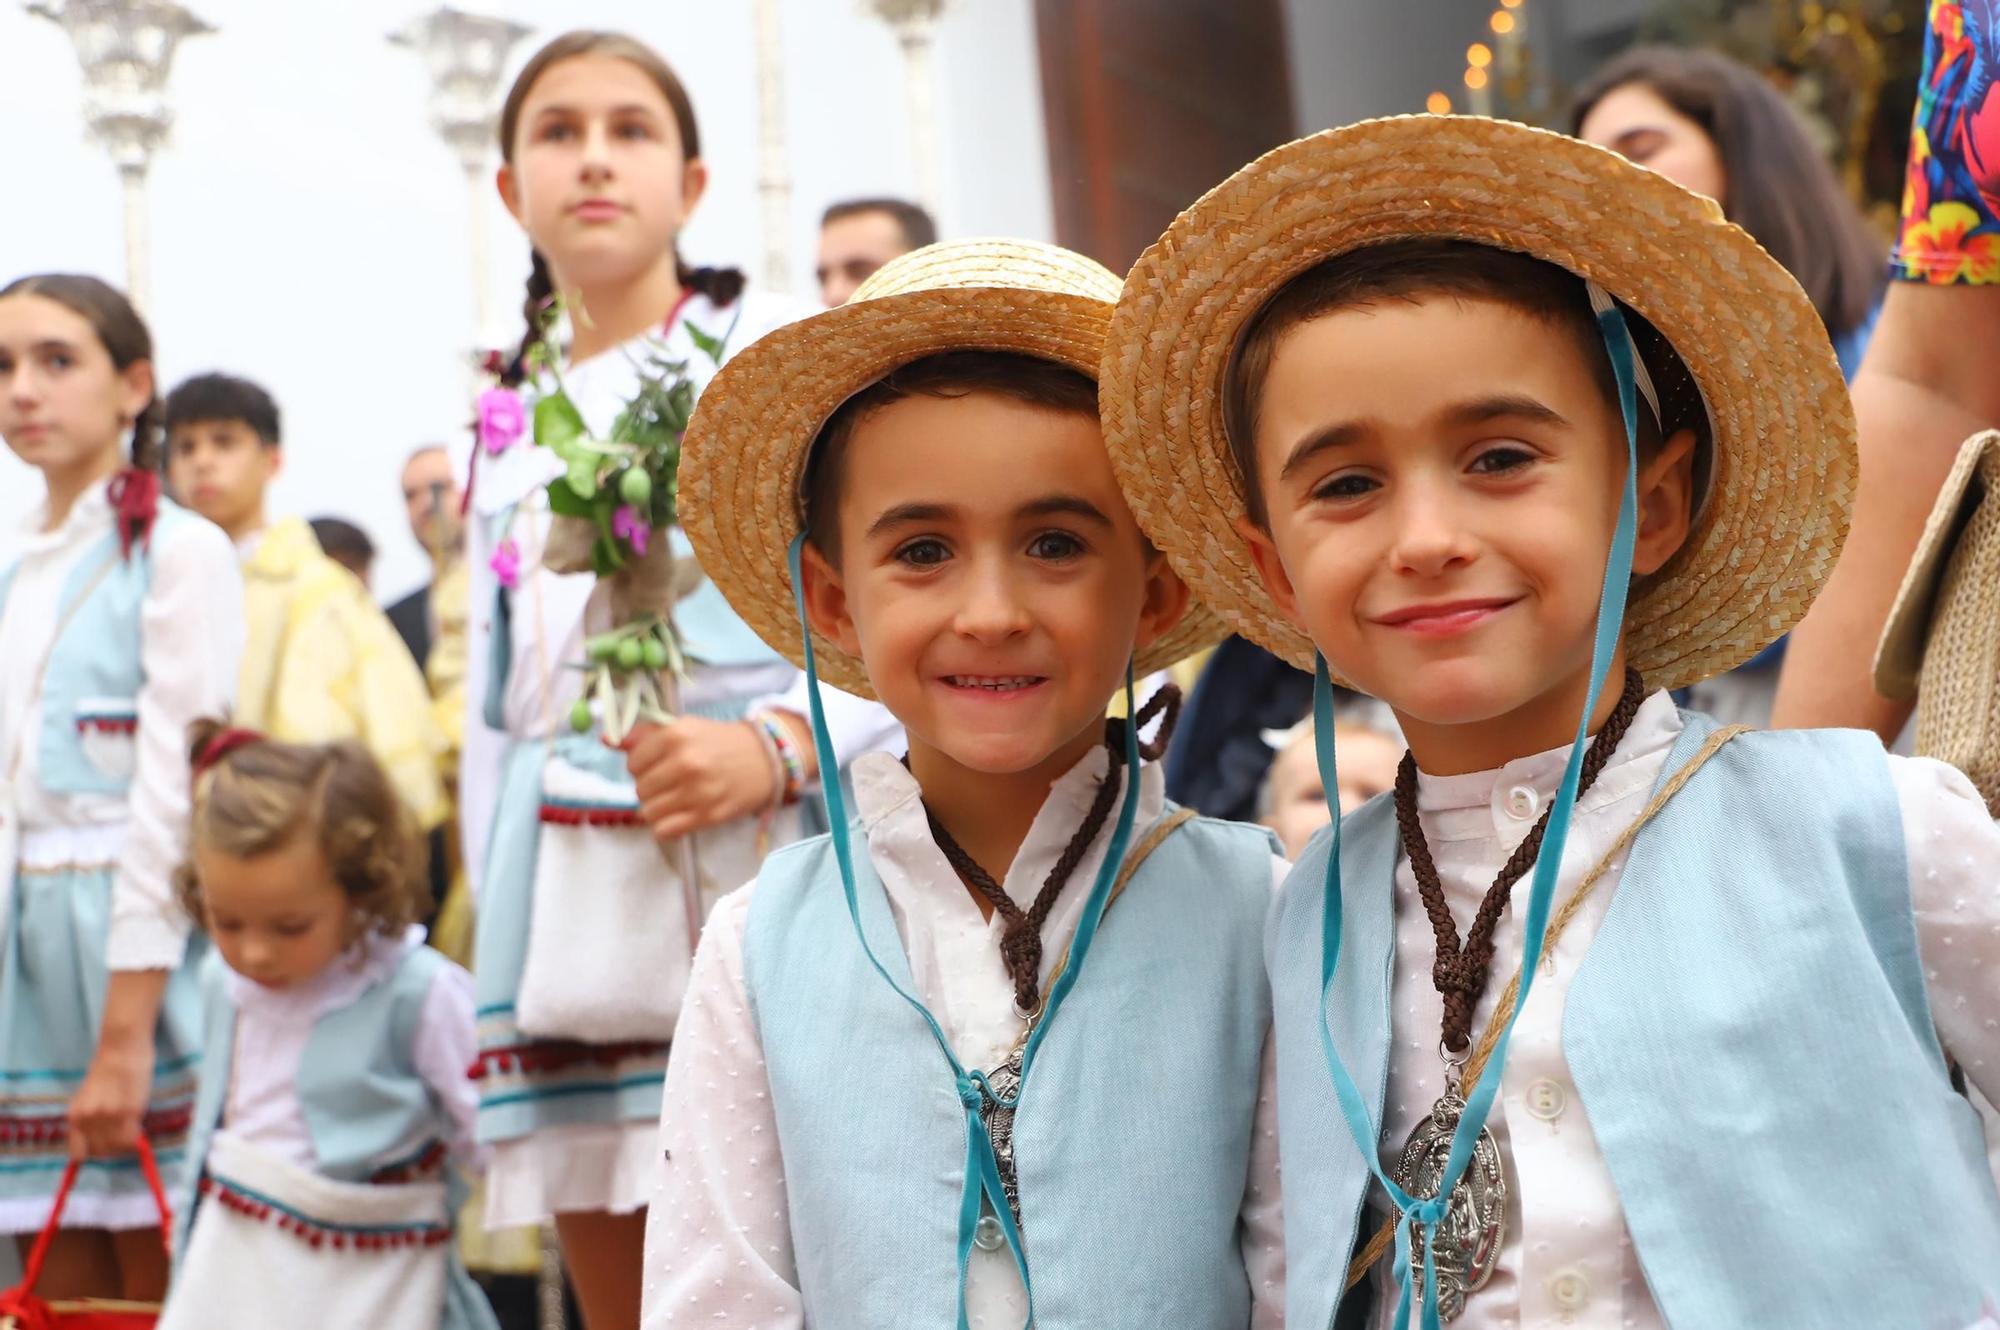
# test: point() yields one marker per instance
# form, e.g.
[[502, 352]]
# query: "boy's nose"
[[1429, 538], [992, 609]]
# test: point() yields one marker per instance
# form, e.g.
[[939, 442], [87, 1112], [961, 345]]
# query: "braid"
[[540, 289], [722, 286], [146, 432]]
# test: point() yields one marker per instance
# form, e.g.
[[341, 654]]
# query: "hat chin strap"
[[1429, 1211]]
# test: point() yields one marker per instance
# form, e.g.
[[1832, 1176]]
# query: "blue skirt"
[[52, 983]]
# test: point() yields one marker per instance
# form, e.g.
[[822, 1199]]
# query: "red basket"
[[20, 1309]]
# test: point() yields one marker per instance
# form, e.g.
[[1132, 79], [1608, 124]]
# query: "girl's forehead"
[[595, 82], [29, 317]]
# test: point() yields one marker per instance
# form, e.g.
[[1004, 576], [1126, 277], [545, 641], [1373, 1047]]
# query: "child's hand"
[[695, 774], [104, 1114]]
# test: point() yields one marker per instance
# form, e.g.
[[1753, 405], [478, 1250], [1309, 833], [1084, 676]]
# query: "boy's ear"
[[1165, 604], [826, 601], [1666, 504], [1270, 568]]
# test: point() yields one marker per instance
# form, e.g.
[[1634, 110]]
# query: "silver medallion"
[[1469, 1235], [1005, 1082]]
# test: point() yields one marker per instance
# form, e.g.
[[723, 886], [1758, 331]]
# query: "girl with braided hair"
[[602, 168], [119, 624], [333, 1098]]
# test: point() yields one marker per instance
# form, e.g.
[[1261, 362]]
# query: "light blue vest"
[[366, 1107], [1132, 1139], [94, 671], [1749, 1033]]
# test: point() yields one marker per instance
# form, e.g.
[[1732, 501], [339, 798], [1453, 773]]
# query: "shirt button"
[[1569, 1289], [987, 1235], [1547, 1100], [1522, 803]]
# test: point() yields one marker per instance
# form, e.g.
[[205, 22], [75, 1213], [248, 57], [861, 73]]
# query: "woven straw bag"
[[1942, 643]]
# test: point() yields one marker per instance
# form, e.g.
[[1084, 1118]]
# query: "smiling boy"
[[1425, 401], [899, 1095]]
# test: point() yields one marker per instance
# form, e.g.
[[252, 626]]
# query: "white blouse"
[[273, 1026], [191, 636], [1567, 1260], [718, 1237]]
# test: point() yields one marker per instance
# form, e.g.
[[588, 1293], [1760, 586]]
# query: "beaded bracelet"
[[790, 766]]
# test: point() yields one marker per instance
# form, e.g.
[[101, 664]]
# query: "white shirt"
[[718, 1237], [190, 635], [1567, 1260], [274, 1024]]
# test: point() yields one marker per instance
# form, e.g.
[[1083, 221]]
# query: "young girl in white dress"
[[333, 1099], [602, 169], [119, 624]]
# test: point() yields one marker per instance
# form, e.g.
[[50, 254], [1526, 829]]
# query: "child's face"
[[220, 468], [279, 918], [1442, 477], [63, 404], [599, 178], [991, 578], [1298, 799]]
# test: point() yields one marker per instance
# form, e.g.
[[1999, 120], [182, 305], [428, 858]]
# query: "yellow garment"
[[322, 663], [451, 592], [1181, 672]]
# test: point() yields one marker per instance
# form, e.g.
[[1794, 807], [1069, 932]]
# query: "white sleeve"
[[855, 724], [1953, 850], [190, 644], [443, 1050], [718, 1233]]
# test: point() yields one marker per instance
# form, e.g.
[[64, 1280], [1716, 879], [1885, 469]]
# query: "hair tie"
[[221, 746], [135, 499]]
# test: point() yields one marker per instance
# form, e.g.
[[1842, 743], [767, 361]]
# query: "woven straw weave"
[[746, 448], [1784, 471], [1942, 642]]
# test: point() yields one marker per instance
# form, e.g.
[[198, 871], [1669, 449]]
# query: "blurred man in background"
[[860, 235]]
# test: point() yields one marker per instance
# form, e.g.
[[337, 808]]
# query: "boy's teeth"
[[993, 685]]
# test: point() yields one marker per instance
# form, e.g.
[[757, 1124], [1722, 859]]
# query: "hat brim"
[[1783, 473], [747, 444], [1899, 659]]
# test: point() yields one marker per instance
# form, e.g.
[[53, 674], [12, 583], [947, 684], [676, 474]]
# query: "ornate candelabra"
[[126, 48]]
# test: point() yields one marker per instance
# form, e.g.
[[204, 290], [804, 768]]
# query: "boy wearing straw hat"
[[994, 1051], [1478, 419]]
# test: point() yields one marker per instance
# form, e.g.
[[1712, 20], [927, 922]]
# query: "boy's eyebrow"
[[1474, 411], [1073, 504], [1048, 505], [905, 513]]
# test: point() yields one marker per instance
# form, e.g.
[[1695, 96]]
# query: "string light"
[[1502, 22], [1510, 4], [1479, 55], [1438, 104], [1475, 78]]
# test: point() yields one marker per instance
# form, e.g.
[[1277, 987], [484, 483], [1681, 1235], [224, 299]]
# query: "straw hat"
[[745, 450], [1782, 485], [1942, 643]]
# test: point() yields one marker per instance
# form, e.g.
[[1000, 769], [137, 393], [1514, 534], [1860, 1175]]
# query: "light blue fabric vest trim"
[[1133, 1135], [1748, 1033], [97, 658], [366, 1107]]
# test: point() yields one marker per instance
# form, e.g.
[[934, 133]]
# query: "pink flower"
[[506, 564], [501, 419], [632, 528]]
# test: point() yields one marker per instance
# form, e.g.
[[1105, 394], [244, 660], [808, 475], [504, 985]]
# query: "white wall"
[[308, 228]]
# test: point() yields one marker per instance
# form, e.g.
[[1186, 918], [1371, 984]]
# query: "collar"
[[280, 550], [890, 805], [1461, 804], [87, 516], [362, 966]]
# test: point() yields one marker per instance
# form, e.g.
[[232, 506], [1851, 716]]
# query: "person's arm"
[[718, 1232], [1931, 380], [190, 634], [446, 1043]]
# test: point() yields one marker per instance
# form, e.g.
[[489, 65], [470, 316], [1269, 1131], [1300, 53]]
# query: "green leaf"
[[557, 421], [582, 476], [566, 502], [709, 346]]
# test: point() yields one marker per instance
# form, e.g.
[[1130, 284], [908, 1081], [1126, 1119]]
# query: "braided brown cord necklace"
[[1021, 942], [1469, 1237], [1459, 972]]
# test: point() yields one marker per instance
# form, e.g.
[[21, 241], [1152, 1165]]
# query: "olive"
[[636, 487], [655, 652], [630, 654], [579, 715]]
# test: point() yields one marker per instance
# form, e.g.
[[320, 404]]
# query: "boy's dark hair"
[[1415, 268], [1026, 379], [342, 541], [915, 223], [222, 397], [1782, 189]]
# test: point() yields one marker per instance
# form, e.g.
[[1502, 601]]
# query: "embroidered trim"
[[563, 814], [108, 724], [317, 1234], [59, 870], [530, 1059], [43, 1134]]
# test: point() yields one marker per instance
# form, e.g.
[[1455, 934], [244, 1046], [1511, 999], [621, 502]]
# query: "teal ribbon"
[[1610, 622], [983, 1187]]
